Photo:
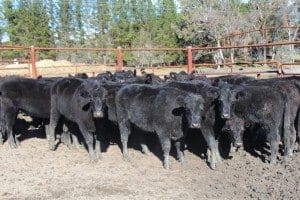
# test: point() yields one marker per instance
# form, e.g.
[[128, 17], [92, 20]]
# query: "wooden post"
[[119, 56], [33, 70], [189, 59]]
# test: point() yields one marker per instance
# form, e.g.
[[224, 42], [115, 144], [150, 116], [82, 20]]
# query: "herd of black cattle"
[[169, 107]]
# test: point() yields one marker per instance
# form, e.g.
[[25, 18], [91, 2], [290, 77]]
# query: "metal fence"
[[31, 55]]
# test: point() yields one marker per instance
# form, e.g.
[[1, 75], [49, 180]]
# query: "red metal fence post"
[[189, 59], [119, 65], [33, 70]]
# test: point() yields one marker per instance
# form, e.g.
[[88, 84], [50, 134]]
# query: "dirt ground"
[[32, 171]]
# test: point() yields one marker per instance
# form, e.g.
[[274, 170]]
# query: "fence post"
[[189, 59], [33, 70], [119, 65]]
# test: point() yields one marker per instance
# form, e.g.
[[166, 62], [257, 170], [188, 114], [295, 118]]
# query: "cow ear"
[[166, 77], [148, 79], [109, 73], [240, 95], [86, 107], [172, 75], [180, 100]]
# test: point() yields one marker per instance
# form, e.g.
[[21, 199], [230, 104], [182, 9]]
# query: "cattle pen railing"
[[31, 58]]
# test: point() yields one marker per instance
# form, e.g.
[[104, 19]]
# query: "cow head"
[[193, 105], [93, 96], [228, 96], [123, 76], [235, 127], [107, 76]]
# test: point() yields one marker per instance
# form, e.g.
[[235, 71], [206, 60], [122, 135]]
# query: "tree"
[[65, 22]]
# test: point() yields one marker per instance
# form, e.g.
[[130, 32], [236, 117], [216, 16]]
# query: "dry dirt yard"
[[34, 172]]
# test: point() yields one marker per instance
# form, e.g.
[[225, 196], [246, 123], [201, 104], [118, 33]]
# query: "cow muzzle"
[[225, 116], [195, 125], [238, 144], [98, 114]]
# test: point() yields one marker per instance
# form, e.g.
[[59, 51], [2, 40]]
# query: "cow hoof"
[[93, 158], [273, 162], [99, 156], [126, 158], [145, 149], [52, 147], [78, 146], [213, 166], [166, 166], [182, 161], [13, 145], [145, 152]]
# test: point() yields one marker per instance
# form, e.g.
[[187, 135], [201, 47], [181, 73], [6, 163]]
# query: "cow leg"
[[124, 127], [2, 132], [98, 149], [145, 148], [180, 155], [75, 142], [274, 143], [1, 138], [214, 155], [293, 139], [89, 140], [65, 137], [166, 147], [54, 117], [10, 118]]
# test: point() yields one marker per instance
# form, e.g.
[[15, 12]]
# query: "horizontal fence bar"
[[248, 46], [154, 49], [74, 49], [238, 73], [236, 63]]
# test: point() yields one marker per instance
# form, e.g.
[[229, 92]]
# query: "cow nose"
[[225, 116], [98, 114], [227, 129], [195, 125], [238, 144]]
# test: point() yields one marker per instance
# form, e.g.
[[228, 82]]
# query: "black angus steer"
[[105, 76], [79, 101], [123, 76], [290, 88], [259, 106], [211, 122], [165, 111], [22, 94], [232, 79]]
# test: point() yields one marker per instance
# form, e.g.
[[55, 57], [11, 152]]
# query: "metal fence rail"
[[187, 52]]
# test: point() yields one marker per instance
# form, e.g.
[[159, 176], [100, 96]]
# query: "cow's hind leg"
[[54, 117], [274, 143], [124, 127], [10, 118]]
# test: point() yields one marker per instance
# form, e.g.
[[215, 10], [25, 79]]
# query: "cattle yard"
[[32, 171]]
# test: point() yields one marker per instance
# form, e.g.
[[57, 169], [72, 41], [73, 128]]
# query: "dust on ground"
[[32, 171]]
